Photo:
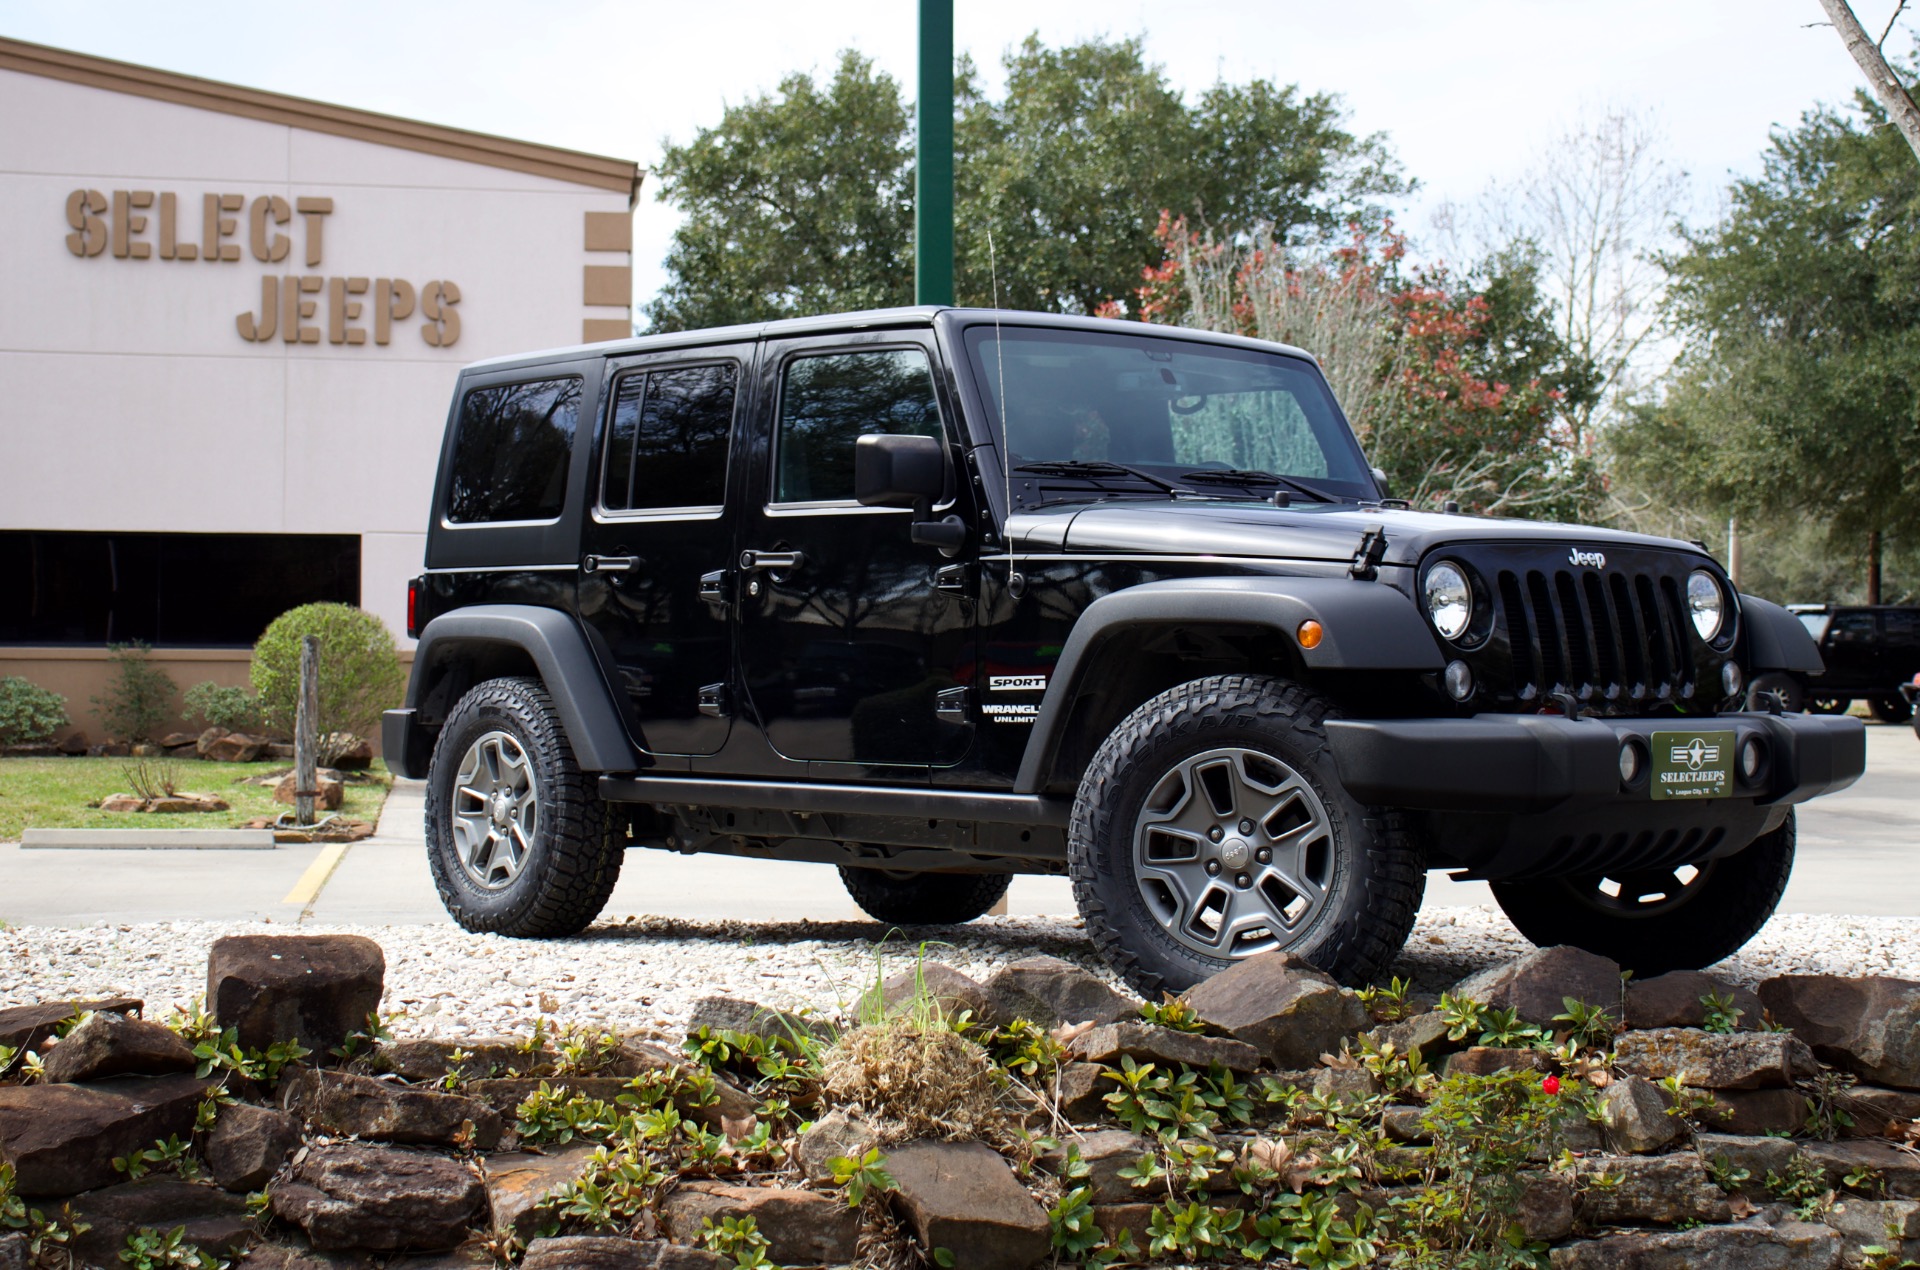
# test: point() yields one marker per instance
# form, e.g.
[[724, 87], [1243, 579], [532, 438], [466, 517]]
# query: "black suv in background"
[[940, 596], [1869, 652]]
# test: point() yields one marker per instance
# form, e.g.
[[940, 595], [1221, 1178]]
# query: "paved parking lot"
[[1857, 856]]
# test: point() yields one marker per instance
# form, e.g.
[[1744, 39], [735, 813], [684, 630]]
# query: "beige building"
[[229, 332]]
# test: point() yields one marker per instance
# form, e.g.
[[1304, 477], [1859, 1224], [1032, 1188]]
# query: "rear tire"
[[1212, 826], [517, 837], [1890, 709], [1693, 924], [1829, 705], [923, 899]]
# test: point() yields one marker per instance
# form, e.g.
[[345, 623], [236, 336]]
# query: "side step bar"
[[931, 803]]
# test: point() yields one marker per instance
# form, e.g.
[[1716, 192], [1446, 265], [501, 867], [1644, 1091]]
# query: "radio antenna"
[[1006, 424]]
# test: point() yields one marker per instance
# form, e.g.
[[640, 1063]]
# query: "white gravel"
[[645, 974]]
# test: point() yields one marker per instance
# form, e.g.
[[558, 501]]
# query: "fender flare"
[[567, 666], [1366, 625], [1776, 640]]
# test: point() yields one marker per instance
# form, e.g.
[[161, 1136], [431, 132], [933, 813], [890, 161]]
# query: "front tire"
[[1211, 826], [1782, 687], [923, 899], [1892, 708], [1655, 920], [518, 839]]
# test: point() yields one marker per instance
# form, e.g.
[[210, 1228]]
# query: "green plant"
[[1588, 1026], [224, 1053], [1396, 1072], [1504, 1028], [139, 696], [1024, 1048], [739, 1238], [1722, 1015], [1160, 1103], [549, 1115], [1828, 1094], [152, 778], [612, 1191], [1803, 1185], [1192, 1231], [166, 1154], [1685, 1100], [29, 714], [1727, 1175], [1074, 1231], [862, 1177], [46, 1237], [225, 706], [1463, 1016], [373, 1032], [360, 672], [1388, 1004], [1172, 1013], [150, 1250], [1309, 1232]]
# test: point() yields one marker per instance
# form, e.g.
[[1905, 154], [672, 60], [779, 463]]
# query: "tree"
[[802, 202], [1868, 54], [1799, 390]]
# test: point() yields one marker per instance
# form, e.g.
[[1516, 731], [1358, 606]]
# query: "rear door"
[[657, 542]]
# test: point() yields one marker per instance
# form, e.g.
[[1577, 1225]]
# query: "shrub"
[[360, 673], [139, 698], [221, 706], [29, 713]]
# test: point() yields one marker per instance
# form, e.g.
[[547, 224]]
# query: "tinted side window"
[[1853, 627], [511, 451], [1903, 626], [667, 442], [829, 401]]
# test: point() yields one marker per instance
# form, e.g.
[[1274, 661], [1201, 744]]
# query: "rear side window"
[[828, 402], [667, 440], [511, 451]]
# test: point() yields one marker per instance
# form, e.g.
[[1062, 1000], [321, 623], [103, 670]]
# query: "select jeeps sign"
[[1692, 765]]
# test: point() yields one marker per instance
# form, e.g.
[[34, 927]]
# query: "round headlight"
[[1449, 599], [1705, 603]]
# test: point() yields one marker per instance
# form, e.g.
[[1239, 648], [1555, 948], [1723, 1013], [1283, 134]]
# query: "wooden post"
[[306, 720]]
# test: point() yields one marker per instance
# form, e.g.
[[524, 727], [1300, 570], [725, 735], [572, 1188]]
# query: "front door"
[[658, 528], [849, 631]]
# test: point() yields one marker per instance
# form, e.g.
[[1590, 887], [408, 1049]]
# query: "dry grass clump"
[[914, 1080]]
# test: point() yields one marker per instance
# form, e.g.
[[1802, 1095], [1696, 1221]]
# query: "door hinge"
[[715, 701], [713, 590], [1372, 550], [950, 705], [953, 578]]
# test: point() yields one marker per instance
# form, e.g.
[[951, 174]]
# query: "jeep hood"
[[1193, 527]]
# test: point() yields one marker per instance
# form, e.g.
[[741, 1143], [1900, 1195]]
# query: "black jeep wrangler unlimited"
[[939, 596]]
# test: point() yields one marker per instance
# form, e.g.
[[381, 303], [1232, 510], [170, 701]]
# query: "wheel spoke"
[[495, 812]]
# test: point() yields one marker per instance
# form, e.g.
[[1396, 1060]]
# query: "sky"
[[1466, 91]]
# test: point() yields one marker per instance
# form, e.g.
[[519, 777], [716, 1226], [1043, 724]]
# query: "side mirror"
[[899, 471], [1380, 479]]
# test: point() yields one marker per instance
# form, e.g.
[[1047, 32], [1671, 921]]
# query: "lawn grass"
[[53, 793]]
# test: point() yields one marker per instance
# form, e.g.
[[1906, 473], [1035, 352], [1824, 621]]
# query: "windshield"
[[1169, 407]]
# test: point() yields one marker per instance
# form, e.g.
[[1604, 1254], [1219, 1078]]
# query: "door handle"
[[610, 564], [773, 561]]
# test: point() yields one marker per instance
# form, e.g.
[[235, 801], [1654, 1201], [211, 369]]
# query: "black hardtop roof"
[[864, 320]]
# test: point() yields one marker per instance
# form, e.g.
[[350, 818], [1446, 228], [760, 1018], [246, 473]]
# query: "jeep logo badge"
[[1578, 557]]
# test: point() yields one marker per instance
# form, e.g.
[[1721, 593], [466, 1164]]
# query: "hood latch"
[[1372, 550]]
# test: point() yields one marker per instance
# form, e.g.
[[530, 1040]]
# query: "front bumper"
[[1514, 796]]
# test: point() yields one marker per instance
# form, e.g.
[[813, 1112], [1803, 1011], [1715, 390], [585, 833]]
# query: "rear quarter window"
[[511, 451]]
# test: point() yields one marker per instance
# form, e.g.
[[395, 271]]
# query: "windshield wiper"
[[1095, 468], [1254, 476]]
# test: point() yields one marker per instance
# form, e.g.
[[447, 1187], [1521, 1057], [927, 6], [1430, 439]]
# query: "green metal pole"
[[933, 158]]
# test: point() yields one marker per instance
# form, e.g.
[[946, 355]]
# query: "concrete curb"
[[149, 839]]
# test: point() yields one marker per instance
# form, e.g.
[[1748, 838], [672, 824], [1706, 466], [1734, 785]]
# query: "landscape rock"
[[949, 990], [111, 1044], [1116, 1220], [231, 747], [1898, 1168], [1635, 1114], [505, 1093], [185, 803], [1105, 1152], [1711, 1060], [329, 790], [316, 989], [1892, 1224], [1756, 1111], [1677, 999], [379, 1110], [1545, 1207], [470, 1255], [1874, 1110], [1406, 1124], [1281, 1006], [1535, 986], [381, 1199], [1081, 1091], [110, 749], [73, 745], [204, 742], [249, 1144], [1747, 1247], [752, 1019], [833, 1136], [1652, 1190], [1050, 991], [1485, 1060], [518, 1180], [61, 1139], [963, 1197], [1870, 1026], [350, 752], [1426, 1033], [14, 1252], [602, 1252], [283, 1257], [214, 1220], [801, 1227], [425, 1060], [730, 1101], [1350, 1083], [1145, 1043], [24, 1027], [1757, 1156], [175, 740]]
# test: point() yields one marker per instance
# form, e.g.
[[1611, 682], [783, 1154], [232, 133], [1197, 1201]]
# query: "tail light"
[[413, 609]]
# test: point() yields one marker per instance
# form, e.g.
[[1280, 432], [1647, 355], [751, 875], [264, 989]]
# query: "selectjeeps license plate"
[[1692, 765]]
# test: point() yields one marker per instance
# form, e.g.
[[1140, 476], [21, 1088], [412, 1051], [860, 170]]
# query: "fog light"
[[1753, 757], [1459, 679], [1630, 762], [1731, 680]]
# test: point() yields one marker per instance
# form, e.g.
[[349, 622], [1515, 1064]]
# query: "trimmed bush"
[[139, 698], [360, 672], [220, 706], [29, 714]]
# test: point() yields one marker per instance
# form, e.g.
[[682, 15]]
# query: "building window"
[[510, 455], [667, 442], [178, 590]]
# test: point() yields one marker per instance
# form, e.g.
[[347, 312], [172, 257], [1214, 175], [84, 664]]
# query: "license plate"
[[1692, 765]]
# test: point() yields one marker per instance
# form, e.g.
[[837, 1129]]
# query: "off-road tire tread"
[[1731, 907], [1385, 899], [579, 855], [924, 899]]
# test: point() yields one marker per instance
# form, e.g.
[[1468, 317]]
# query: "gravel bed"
[[644, 974]]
